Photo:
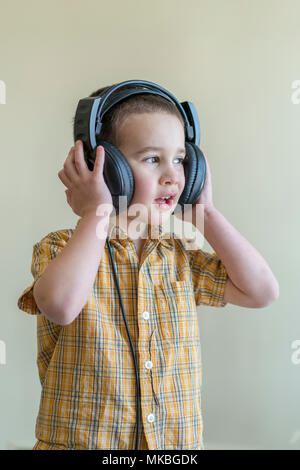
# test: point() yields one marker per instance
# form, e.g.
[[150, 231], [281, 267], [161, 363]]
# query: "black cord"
[[136, 369]]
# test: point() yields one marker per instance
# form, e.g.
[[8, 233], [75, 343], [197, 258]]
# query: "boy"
[[86, 368]]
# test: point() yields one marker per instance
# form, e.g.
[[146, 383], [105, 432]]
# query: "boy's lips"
[[165, 203], [168, 195]]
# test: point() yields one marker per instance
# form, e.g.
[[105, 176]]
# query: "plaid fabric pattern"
[[86, 368]]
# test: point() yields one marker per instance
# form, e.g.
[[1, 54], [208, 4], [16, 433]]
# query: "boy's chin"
[[158, 217]]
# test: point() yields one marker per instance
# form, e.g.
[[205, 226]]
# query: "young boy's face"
[[156, 172]]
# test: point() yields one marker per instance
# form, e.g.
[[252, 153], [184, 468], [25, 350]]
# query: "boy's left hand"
[[205, 199]]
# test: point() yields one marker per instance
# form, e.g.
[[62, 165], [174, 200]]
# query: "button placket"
[[151, 375]]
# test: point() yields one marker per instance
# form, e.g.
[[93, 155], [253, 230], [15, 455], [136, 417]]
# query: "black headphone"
[[117, 172]]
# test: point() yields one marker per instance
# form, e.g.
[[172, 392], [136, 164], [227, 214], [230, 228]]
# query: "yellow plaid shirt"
[[86, 368]]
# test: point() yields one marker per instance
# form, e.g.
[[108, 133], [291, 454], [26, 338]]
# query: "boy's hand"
[[86, 189], [205, 197], [205, 200]]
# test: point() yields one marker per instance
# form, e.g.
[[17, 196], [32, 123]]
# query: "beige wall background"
[[236, 60]]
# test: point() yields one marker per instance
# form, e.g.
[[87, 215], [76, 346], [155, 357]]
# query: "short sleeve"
[[209, 278], [43, 253]]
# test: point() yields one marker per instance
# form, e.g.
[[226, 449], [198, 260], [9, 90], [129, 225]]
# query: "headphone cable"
[[133, 353]]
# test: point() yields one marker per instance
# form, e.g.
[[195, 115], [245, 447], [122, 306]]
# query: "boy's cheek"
[[144, 192]]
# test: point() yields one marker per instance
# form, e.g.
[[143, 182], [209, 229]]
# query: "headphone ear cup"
[[195, 174], [117, 174]]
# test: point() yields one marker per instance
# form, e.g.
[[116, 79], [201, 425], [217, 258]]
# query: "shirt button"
[[150, 418], [146, 315], [148, 364]]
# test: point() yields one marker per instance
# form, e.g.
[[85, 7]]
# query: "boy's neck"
[[134, 229]]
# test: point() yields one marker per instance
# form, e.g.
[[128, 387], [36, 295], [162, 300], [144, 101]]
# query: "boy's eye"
[[178, 158]]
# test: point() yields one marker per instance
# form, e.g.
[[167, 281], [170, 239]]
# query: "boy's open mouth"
[[165, 202]]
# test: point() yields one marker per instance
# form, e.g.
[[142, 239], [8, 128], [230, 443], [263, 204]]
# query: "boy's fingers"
[[79, 159], [63, 178], [68, 194], [71, 155], [99, 161], [70, 168]]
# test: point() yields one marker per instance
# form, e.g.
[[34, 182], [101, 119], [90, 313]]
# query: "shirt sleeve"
[[209, 278], [43, 252]]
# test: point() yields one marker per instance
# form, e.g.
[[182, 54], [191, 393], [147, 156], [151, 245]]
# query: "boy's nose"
[[169, 176]]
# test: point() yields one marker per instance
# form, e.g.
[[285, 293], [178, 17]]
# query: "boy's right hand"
[[86, 189]]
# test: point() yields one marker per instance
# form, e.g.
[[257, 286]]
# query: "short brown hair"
[[135, 104]]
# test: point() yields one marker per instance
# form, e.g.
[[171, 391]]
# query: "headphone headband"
[[117, 98], [140, 87], [90, 111]]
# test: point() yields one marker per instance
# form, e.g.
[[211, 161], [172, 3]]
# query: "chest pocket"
[[176, 310]]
